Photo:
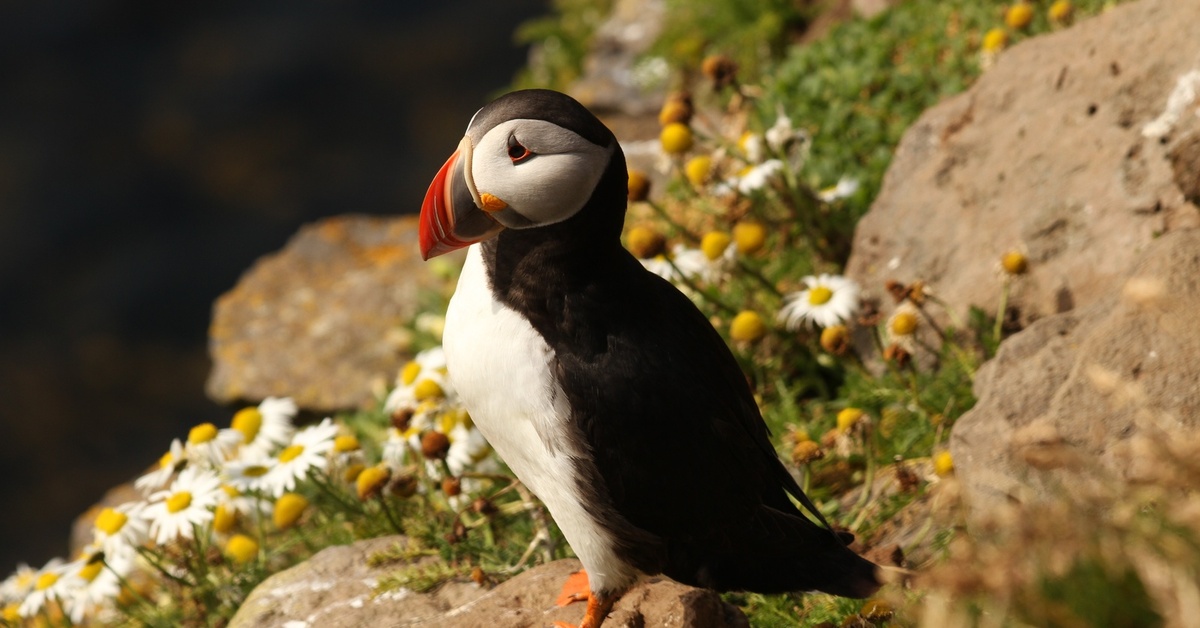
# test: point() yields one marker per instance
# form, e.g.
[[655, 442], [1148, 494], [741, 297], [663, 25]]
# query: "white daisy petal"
[[826, 301]]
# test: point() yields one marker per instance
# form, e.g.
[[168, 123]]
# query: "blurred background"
[[149, 153]]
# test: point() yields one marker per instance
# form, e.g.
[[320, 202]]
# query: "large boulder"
[[318, 321], [337, 588], [1091, 394], [1079, 148]]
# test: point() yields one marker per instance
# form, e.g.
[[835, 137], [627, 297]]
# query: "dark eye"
[[516, 151]]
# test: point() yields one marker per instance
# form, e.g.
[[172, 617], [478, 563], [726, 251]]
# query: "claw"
[[575, 589]]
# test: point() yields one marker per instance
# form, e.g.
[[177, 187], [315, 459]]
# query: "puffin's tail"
[[777, 553]]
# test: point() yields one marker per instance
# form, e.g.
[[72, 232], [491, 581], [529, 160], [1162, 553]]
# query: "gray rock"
[[317, 321], [336, 588], [1052, 152], [1089, 395]]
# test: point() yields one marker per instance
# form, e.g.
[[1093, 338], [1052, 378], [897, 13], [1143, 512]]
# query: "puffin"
[[600, 384]]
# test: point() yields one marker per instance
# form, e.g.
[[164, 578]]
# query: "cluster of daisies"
[[226, 490]]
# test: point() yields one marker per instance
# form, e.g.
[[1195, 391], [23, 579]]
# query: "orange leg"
[[598, 604]]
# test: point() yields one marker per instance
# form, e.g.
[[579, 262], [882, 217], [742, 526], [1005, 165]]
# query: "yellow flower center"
[[12, 613], [819, 295], [166, 460], [409, 373], [994, 40], [91, 570], [428, 389], [904, 323], [714, 244], [847, 418], [248, 421], [45, 581], [202, 433], [179, 501], [241, 548], [110, 521], [345, 443], [290, 453]]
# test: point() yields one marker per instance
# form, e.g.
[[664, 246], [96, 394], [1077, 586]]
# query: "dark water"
[[149, 153]]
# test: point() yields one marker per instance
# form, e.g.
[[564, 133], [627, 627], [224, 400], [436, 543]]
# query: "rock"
[[615, 81], [1061, 150], [336, 588], [318, 321], [1090, 394]]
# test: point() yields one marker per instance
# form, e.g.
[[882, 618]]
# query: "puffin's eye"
[[516, 151]]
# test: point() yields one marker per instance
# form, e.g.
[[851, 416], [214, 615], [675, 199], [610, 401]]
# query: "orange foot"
[[576, 589]]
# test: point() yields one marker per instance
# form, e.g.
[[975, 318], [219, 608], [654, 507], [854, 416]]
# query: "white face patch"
[[547, 187]]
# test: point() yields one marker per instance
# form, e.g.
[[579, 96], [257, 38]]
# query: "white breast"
[[501, 367]]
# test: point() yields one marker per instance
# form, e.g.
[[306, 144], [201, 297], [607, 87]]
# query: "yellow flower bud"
[[697, 168], [645, 242], [714, 244], [241, 548], [1019, 15], [848, 418], [288, 509], [835, 339], [943, 463], [1014, 263], [639, 186], [370, 482], [676, 138], [747, 326], [750, 236], [1060, 12], [345, 443], [428, 389], [995, 40], [224, 519]]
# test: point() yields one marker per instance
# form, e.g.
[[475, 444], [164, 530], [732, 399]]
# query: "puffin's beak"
[[450, 217]]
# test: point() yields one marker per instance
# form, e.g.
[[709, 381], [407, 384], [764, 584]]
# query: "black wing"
[[680, 445]]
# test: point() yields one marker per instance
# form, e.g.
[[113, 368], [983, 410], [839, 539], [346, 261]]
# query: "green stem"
[[1001, 312], [387, 511], [156, 562]]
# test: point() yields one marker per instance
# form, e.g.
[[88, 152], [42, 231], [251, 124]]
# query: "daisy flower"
[[422, 379], [100, 574], [902, 326], [249, 471], [827, 300], [305, 452], [55, 581], [121, 527], [18, 585], [208, 446], [267, 427], [168, 464], [845, 188], [752, 178], [188, 502]]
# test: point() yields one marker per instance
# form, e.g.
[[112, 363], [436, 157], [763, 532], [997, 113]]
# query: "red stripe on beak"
[[436, 233]]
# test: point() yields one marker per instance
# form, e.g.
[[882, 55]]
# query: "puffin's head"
[[530, 158]]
